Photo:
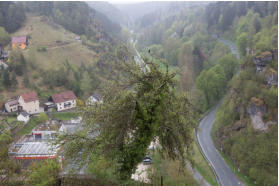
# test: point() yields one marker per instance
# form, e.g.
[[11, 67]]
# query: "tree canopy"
[[129, 119]]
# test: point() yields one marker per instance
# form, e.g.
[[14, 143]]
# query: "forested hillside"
[[181, 38], [246, 125], [77, 17], [54, 57], [247, 122], [12, 16]]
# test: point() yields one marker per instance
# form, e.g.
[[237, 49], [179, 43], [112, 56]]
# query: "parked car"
[[147, 160]]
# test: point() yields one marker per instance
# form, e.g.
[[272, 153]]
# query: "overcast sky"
[[124, 1]]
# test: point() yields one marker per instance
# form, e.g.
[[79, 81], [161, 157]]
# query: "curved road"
[[224, 173]]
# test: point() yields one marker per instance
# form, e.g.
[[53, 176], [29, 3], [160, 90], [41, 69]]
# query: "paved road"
[[225, 174], [231, 45]]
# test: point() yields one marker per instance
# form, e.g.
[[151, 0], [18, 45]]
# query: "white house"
[[64, 101], [12, 105], [95, 98], [29, 103], [23, 116]]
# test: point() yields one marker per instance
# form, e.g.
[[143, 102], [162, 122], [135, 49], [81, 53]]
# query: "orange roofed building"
[[19, 42]]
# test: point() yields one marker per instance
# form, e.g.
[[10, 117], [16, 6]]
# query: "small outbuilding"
[[19, 42], [23, 116]]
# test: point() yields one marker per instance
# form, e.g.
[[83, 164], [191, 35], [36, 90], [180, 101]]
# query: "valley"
[[160, 93]]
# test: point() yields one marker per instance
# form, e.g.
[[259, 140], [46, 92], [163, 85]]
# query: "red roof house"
[[29, 96], [29, 102], [64, 100]]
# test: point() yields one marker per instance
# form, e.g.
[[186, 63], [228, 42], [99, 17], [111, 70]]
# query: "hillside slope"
[[60, 44]]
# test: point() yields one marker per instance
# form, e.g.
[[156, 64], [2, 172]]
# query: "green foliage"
[[14, 80], [4, 37], [128, 120], [64, 115], [12, 16], [171, 51], [74, 16], [18, 62], [42, 49], [168, 171], [26, 81], [242, 43], [6, 78], [43, 173], [32, 123], [253, 152], [213, 82], [8, 167], [42, 117]]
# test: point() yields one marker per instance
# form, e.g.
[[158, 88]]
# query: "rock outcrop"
[[256, 110], [262, 60], [239, 125], [271, 77]]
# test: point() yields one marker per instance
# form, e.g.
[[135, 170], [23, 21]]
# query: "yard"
[[64, 115], [32, 123]]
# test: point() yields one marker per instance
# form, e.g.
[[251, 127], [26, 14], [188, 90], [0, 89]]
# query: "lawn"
[[32, 123], [26, 129], [64, 115], [11, 119]]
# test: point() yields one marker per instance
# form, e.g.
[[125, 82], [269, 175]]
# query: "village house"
[[23, 116], [12, 105], [95, 98], [19, 42], [29, 102], [64, 101]]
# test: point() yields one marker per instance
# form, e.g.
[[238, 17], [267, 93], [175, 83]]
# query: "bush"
[[44, 173], [42, 49], [43, 117]]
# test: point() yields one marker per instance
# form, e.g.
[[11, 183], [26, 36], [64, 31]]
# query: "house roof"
[[63, 97], [96, 96], [19, 39], [37, 148], [29, 96], [12, 102]]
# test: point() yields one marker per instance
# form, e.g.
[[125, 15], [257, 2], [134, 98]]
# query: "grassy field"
[[33, 122], [64, 115], [60, 44]]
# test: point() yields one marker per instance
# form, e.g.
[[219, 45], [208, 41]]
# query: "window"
[[68, 104]]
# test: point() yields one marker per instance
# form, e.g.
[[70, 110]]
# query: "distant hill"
[[77, 17], [109, 10], [135, 11]]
